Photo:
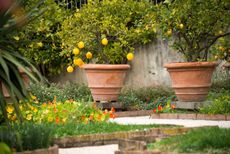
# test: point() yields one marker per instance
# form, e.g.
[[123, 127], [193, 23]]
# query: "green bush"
[[39, 41], [124, 23], [47, 93], [220, 104], [27, 136], [145, 98]]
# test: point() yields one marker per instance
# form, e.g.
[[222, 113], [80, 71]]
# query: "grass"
[[211, 140], [72, 129]]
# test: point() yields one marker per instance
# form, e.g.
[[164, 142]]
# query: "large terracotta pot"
[[192, 80], [105, 81]]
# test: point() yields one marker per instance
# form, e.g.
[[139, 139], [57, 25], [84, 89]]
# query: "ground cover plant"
[[145, 98], [202, 140]]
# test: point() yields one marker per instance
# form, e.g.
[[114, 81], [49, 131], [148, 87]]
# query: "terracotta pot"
[[50, 150], [105, 81], [192, 80], [25, 79]]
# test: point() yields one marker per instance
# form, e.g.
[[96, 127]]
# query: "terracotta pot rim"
[[190, 64], [106, 66]]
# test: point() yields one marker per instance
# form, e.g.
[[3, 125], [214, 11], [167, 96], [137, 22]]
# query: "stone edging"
[[138, 146], [194, 116], [114, 138], [50, 150]]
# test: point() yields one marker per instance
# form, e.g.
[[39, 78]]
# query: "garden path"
[[109, 149]]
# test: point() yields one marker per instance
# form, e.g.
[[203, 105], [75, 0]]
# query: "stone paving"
[[109, 149]]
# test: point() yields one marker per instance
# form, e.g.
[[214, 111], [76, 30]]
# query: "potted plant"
[[105, 34], [195, 26]]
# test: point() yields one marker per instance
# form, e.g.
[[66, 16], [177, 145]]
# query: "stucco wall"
[[146, 69]]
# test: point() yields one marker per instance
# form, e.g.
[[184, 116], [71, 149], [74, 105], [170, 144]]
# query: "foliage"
[[47, 93], [196, 25], [72, 129], [124, 24], [165, 108], [39, 42], [10, 60], [220, 81], [27, 136], [220, 105], [60, 112], [145, 98], [213, 139]]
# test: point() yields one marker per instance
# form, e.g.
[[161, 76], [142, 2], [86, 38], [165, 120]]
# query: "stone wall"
[[146, 69]]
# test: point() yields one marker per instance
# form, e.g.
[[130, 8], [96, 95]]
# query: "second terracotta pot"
[[105, 80], [192, 80]]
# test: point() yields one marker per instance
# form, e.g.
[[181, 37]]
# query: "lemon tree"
[[106, 31], [194, 26]]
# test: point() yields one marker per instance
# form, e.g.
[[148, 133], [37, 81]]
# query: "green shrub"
[[145, 98], [124, 23], [27, 136], [39, 41], [47, 93], [220, 104]]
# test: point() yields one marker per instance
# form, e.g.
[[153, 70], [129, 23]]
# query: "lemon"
[[69, 69], [104, 41], [40, 44], [130, 56], [4, 148], [89, 55], [169, 32], [81, 45], [181, 26], [76, 51], [78, 62]]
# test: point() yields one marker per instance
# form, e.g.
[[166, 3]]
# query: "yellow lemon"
[[181, 26], [169, 32], [69, 69], [130, 56], [40, 44], [89, 55], [81, 45], [104, 41], [76, 51], [78, 62]]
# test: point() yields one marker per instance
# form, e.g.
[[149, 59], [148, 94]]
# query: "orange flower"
[[160, 108], [83, 117], [91, 117], [57, 120], [154, 110], [173, 106], [113, 109], [111, 115]]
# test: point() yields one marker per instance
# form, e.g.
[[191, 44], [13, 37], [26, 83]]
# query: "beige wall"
[[146, 69]]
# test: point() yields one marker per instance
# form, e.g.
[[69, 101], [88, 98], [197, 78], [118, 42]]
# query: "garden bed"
[[199, 140], [115, 137]]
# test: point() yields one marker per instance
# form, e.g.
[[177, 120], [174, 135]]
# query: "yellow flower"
[[64, 120], [33, 97], [50, 119], [35, 110], [16, 38], [130, 56], [29, 116], [14, 117], [10, 109], [69, 69], [76, 51], [104, 41], [40, 44], [81, 45], [89, 55], [78, 62]]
